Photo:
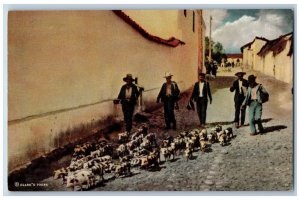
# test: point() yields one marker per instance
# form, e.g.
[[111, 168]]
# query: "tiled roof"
[[277, 45], [172, 42], [235, 55], [250, 43]]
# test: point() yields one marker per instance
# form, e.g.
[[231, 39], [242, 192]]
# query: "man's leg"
[[166, 115], [130, 115], [252, 117], [199, 110], [171, 113], [237, 114], [243, 114], [126, 115], [203, 111], [243, 111], [258, 114]]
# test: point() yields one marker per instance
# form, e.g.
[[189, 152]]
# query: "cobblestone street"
[[248, 163]]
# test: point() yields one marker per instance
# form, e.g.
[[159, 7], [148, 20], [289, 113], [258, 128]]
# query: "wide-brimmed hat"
[[128, 76], [251, 77], [240, 73], [168, 74]]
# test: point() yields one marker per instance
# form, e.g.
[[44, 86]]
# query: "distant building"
[[272, 57], [236, 59], [250, 58], [277, 57]]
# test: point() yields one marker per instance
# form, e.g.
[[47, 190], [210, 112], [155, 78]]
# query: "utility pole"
[[209, 44]]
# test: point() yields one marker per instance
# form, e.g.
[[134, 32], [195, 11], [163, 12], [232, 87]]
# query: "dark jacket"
[[206, 91], [235, 87], [134, 95], [174, 92]]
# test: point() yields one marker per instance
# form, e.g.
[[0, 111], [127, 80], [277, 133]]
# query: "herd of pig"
[[90, 161]]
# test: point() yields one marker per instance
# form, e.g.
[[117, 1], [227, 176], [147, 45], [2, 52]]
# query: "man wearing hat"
[[169, 95], [128, 96], [254, 100], [240, 87], [200, 95]]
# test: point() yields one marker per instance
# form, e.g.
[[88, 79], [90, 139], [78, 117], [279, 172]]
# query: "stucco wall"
[[256, 47], [64, 67], [245, 57], [284, 65], [280, 66], [268, 64]]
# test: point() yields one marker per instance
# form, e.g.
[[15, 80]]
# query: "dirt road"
[[249, 163]]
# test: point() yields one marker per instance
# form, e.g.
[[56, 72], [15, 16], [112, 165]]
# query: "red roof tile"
[[277, 45], [172, 42], [235, 55]]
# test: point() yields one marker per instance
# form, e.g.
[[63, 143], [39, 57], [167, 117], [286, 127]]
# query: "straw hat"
[[168, 74]]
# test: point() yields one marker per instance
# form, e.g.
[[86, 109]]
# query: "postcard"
[[151, 100]]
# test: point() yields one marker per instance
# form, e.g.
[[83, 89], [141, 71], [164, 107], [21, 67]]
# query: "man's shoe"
[[252, 134], [261, 131]]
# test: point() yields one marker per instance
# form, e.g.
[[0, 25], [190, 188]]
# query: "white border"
[[46, 5]]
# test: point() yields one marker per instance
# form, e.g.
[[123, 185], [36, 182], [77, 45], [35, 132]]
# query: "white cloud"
[[218, 17], [233, 35]]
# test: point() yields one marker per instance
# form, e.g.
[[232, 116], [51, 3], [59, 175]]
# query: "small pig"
[[80, 178], [222, 138], [229, 133], [203, 144], [188, 153]]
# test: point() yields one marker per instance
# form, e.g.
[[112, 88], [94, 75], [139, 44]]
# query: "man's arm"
[[120, 93], [159, 94], [194, 93], [233, 87], [244, 104], [208, 92], [137, 92]]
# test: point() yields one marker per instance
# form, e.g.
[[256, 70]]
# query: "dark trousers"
[[201, 109], [238, 111], [128, 108], [169, 112]]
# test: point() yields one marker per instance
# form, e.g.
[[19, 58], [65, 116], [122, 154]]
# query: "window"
[[184, 12]]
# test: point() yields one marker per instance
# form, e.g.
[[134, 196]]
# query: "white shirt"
[[169, 89], [253, 92], [128, 93], [201, 85], [240, 86]]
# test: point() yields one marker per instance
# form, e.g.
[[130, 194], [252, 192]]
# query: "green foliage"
[[218, 52]]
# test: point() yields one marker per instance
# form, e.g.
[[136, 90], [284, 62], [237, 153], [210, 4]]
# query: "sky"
[[235, 27]]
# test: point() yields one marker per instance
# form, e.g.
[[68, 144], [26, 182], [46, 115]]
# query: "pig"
[[165, 152], [222, 138], [61, 173], [203, 144], [203, 134], [123, 137], [122, 169], [80, 178], [122, 150], [229, 133], [188, 153]]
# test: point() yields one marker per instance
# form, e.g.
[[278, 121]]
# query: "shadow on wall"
[[43, 166]]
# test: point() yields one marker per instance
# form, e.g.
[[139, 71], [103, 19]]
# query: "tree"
[[217, 51], [218, 48]]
